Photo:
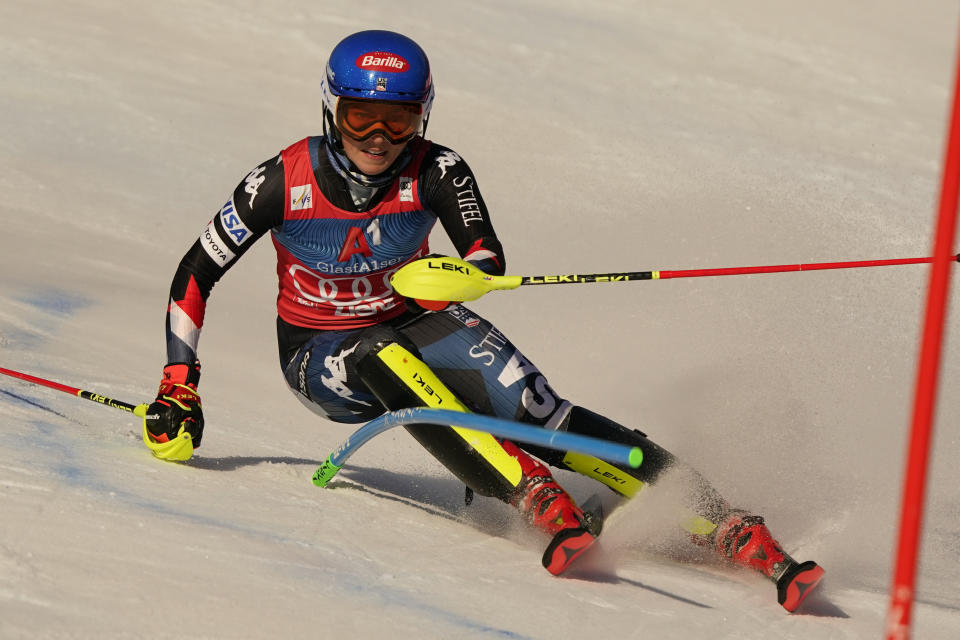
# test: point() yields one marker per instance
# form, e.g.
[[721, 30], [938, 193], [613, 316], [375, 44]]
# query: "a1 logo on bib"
[[301, 197]]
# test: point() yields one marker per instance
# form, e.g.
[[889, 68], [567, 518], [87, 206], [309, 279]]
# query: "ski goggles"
[[361, 119]]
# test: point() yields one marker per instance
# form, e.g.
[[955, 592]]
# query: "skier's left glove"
[[173, 424]]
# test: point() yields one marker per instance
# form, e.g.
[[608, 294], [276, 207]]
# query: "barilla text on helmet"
[[382, 61]]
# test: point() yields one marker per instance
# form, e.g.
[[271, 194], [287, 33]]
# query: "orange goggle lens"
[[360, 119]]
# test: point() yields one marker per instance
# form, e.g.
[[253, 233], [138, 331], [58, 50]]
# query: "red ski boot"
[[551, 509], [745, 539]]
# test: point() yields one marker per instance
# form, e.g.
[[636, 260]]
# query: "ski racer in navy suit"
[[345, 210]]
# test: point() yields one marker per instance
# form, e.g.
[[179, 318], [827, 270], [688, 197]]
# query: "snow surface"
[[606, 136]]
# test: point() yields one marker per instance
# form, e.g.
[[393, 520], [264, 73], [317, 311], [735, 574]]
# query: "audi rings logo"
[[365, 296]]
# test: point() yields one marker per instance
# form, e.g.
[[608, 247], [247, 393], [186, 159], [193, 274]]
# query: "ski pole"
[[550, 438], [138, 410], [725, 271], [452, 279]]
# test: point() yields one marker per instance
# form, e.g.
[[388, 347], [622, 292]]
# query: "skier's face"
[[374, 155]]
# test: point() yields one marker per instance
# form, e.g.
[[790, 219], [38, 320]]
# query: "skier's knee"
[[372, 340], [656, 459], [377, 375], [589, 423], [391, 368]]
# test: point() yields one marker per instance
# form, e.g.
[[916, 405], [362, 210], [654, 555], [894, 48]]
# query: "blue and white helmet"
[[378, 65]]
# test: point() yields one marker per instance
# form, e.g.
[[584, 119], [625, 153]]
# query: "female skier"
[[345, 210]]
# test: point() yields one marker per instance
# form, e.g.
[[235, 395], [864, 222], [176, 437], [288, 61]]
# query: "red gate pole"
[[924, 404]]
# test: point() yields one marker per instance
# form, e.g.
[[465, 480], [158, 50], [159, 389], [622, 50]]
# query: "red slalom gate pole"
[[915, 477]]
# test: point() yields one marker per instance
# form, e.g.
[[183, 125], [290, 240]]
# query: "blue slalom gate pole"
[[515, 431]]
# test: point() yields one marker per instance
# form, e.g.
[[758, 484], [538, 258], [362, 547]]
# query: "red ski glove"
[[173, 425]]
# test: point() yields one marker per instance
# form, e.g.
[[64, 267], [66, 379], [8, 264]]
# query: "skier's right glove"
[[173, 424], [415, 305]]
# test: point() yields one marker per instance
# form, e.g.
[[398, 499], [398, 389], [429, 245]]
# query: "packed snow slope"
[[606, 136]]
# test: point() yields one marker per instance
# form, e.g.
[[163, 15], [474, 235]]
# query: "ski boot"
[[745, 539], [547, 506]]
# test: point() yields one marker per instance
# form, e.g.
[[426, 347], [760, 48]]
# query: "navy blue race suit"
[[335, 254]]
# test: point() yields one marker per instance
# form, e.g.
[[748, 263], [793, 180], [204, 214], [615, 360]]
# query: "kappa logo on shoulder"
[[445, 160], [301, 197], [253, 181]]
